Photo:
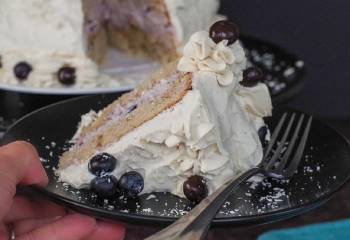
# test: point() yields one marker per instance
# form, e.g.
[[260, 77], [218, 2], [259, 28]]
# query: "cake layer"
[[148, 28], [142, 27], [164, 90], [95, 30]]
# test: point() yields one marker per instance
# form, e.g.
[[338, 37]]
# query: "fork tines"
[[278, 158]]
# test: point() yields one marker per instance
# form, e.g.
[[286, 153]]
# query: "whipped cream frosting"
[[211, 132], [202, 54], [47, 35], [255, 100]]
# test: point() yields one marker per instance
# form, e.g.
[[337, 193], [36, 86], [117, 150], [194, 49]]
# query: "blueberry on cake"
[[187, 130], [62, 43]]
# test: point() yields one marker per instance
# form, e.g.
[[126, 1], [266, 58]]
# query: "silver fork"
[[195, 224]]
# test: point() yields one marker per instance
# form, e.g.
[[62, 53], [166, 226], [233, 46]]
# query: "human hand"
[[38, 219]]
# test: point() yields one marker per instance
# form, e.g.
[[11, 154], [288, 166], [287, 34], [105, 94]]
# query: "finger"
[[28, 225], [4, 233], [108, 231], [69, 227], [22, 160], [19, 164], [24, 208]]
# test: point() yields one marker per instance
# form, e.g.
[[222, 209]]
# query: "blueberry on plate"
[[106, 186], [102, 164], [195, 189], [131, 183], [263, 131]]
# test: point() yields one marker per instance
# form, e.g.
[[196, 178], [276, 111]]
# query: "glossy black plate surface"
[[324, 169]]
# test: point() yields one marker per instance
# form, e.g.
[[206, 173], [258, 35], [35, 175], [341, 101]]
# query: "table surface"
[[338, 207]]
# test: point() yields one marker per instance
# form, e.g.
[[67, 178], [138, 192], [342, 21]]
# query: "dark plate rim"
[[151, 220], [166, 220], [298, 82]]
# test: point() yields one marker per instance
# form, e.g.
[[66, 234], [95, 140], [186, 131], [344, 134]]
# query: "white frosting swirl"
[[256, 100], [202, 54]]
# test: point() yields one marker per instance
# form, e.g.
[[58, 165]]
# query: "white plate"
[[128, 70]]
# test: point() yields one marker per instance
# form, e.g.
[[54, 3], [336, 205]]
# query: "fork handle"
[[195, 224]]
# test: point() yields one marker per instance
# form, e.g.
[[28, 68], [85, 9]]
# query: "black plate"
[[283, 70], [324, 170]]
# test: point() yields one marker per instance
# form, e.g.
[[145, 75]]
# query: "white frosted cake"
[[60, 43], [186, 131]]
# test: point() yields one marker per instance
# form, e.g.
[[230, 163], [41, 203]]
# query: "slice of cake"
[[60, 43], [187, 130]]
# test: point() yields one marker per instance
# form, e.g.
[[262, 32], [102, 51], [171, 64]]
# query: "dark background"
[[318, 32]]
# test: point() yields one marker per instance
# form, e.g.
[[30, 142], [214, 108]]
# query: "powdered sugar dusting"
[[279, 74]]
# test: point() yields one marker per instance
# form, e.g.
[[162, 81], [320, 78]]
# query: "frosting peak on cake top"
[[225, 62], [201, 53]]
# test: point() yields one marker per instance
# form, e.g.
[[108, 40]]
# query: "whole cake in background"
[[189, 129], [57, 43]]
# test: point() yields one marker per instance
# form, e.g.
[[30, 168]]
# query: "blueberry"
[[22, 70], [224, 30], [263, 131], [102, 164], [131, 183], [195, 189], [252, 76], [106, 186], [66, 75]]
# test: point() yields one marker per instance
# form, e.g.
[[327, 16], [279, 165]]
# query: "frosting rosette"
[[201, 53]]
